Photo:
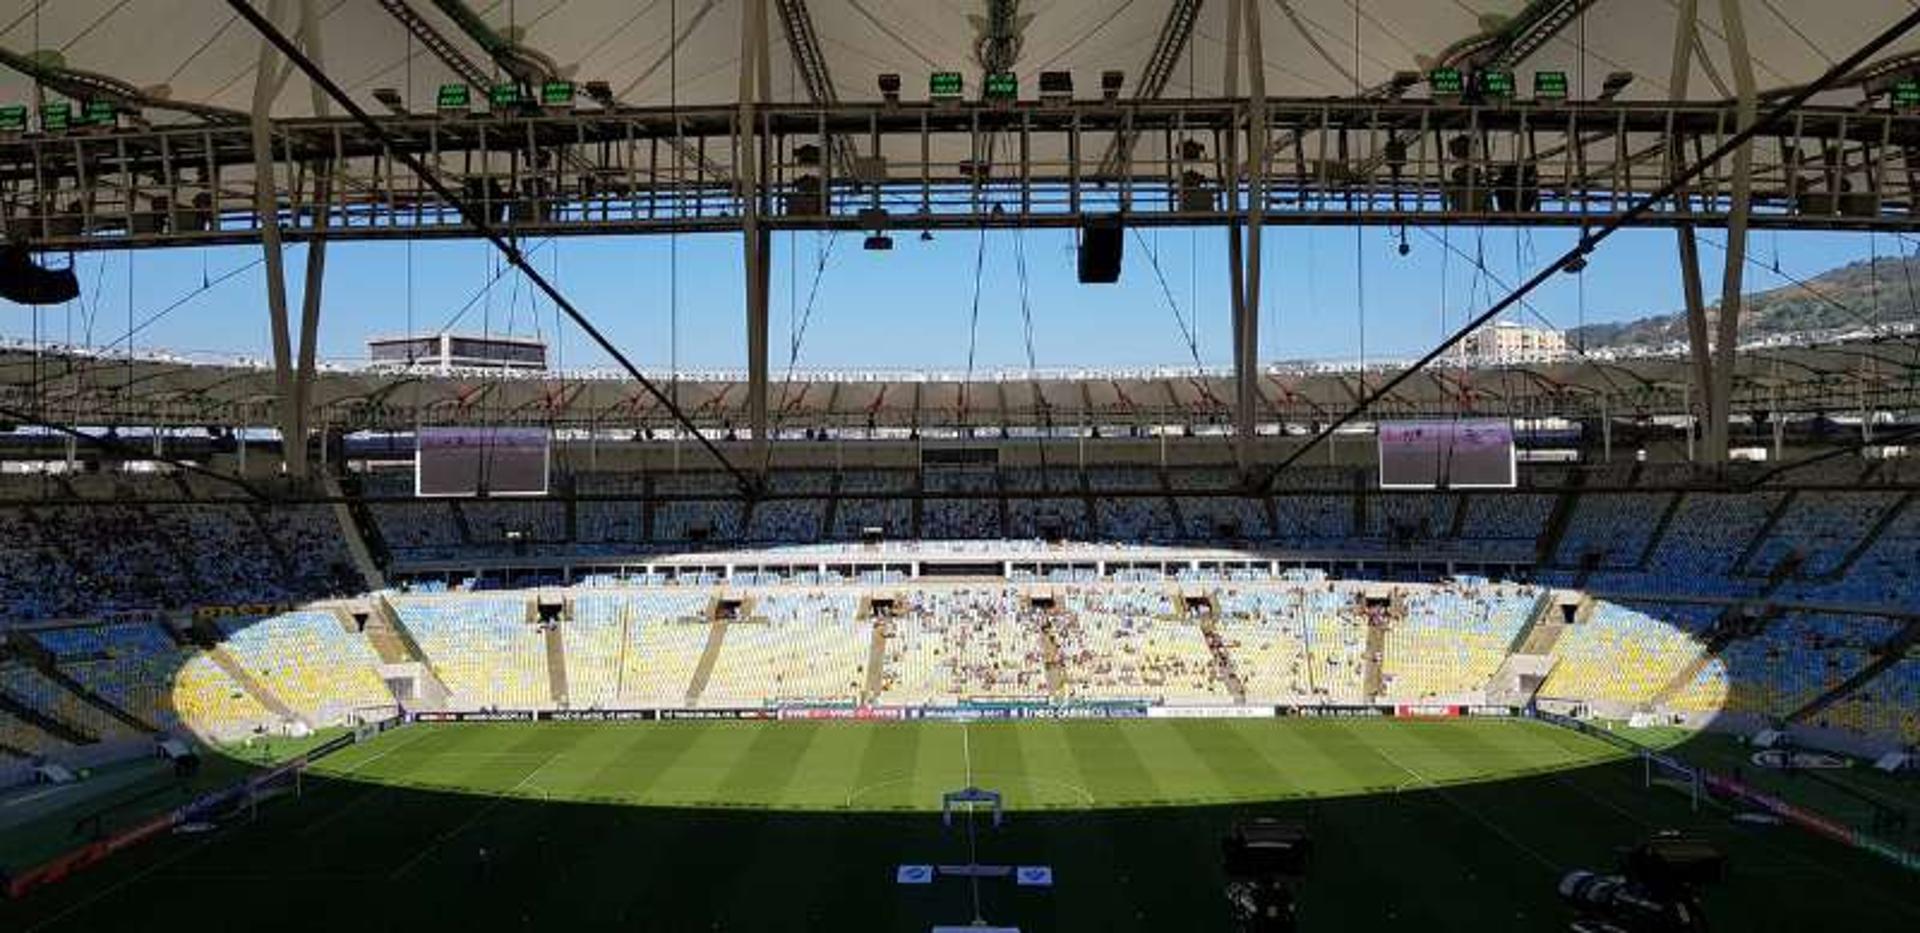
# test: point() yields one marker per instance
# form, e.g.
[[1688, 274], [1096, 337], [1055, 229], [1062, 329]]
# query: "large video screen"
[[492, 461], [1461, 454]]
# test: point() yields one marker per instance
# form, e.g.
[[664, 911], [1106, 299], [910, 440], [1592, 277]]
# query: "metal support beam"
[[756, 241], [479, 221], [441, 47], [266, 88], [1694, 293], [810, 60], [1749, 128], [1246, 278], [1727, 326], [1175, 34]]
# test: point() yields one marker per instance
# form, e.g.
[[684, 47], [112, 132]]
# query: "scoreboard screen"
[[1465, 454], [494, 461]]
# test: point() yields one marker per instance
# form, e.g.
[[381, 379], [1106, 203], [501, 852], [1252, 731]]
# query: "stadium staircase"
[[1889, 654], [461, 524], [353, 531], [557, 659], [261, 693], [396, 645], [257, 522], [44, 662], [1373, 681], [833, 505], [1766, 531], [915, 510], [1542, 634], [1724, 633], [1222, 660], [710, 655], [1873, 534], [1458, 523], [45, 723], [876, 653], [1660, 530], [1165, 484], [1050, 658], [1558, 521], [1000, 500], [646, 507]]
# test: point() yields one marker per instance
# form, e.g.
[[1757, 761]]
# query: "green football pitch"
[[1419, 825]]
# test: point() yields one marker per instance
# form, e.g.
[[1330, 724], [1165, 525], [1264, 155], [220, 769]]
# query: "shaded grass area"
[[1411, 833], [42, 822]]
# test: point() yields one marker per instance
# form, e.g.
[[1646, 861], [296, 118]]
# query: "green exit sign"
[[1445, 82], [504, 95], [454, 97], [946, 85], [13, 118], [1549, 85], [1906, 94], [556, 94], [1002, 85], [100, 113], [1496, 84], [56, 118]]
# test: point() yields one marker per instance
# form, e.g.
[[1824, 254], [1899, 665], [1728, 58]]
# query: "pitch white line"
[[966, 748], [468, 823], [1477, 816]]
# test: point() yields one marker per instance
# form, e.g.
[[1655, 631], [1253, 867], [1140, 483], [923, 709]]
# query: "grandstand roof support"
[[1727, 326], [293, 377], [1737, 145], [1176, 34], [756, 80], [1244, 257], [1698, 347]]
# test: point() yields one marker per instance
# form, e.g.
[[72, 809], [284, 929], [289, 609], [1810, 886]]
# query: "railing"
[[962, 166]]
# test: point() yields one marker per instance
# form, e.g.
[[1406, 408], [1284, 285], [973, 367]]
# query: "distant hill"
[[1840, 298]]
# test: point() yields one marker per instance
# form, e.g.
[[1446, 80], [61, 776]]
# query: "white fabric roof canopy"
[[655, 52]]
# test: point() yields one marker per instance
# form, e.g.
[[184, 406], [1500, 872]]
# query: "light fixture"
[[1615, 83], [1401, 83], [890, 88], [878, 243], [1111, 83], [600, 92], [1056, 87], [390, 99]]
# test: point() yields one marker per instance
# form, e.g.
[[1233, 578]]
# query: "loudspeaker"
[[1101, 245], [25, 282]]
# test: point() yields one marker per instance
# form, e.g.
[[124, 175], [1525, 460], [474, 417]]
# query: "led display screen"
[[1468, 453], [493, 461]]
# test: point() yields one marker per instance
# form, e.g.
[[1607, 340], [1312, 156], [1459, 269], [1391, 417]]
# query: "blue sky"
[[1329, 293]]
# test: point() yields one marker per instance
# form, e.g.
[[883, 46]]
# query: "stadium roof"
[[101, 390], [688, 51]]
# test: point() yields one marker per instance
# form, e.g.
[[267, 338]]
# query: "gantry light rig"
[[960, 165]]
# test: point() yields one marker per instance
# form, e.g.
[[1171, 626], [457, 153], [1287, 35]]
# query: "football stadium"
[[992, 465]]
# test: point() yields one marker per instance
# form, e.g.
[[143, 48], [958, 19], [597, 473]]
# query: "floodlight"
[[1401, 83], [1056, 87], [890, 88], [879, 243], [390, 99], [1111, 83], [1614, 84], [600, 92]]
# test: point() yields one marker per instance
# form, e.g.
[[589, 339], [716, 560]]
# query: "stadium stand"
[[483, 647]]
